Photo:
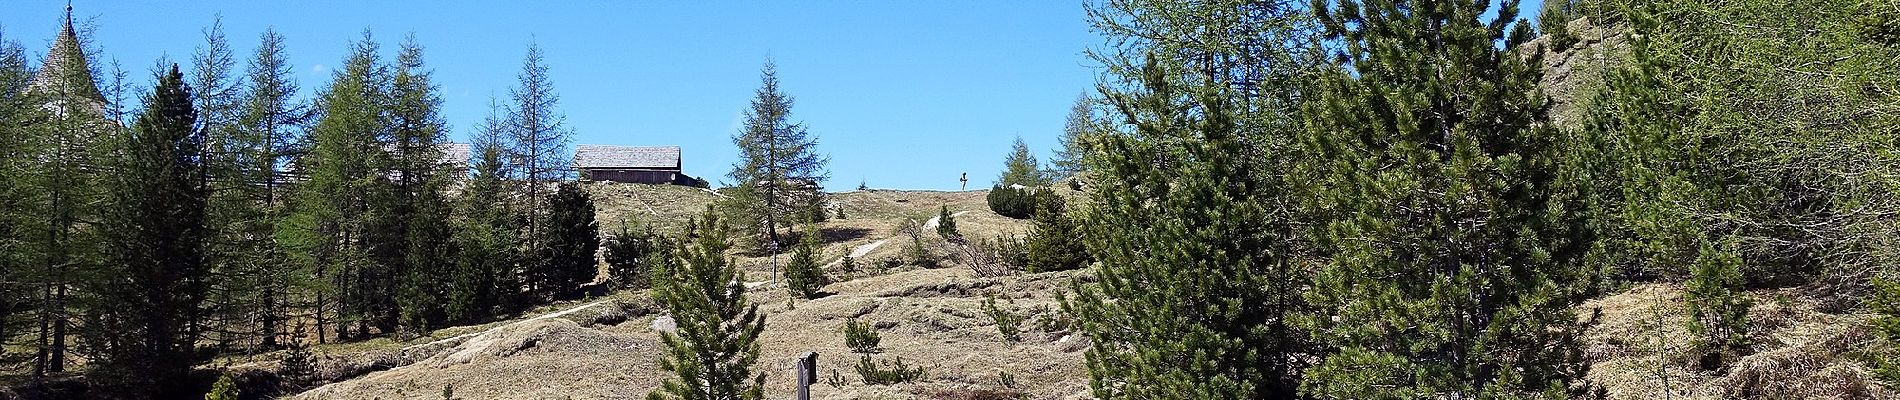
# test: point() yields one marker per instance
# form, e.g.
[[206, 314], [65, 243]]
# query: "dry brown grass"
[[1641, 348]]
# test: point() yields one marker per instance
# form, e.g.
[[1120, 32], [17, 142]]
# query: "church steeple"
[[65, 71]]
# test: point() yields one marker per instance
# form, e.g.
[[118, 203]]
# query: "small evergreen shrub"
[[224, 389], [1012, 202], [1718, 305], [1885, 302], [860, 337], [1055, 240], [1554, 23], [947, 225], [890, 373], [1008, 324], [626, 254], [803, 275]]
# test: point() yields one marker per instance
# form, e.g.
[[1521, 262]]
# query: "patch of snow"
[[664, 323]]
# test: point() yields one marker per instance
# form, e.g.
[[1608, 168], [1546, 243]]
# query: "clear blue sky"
[[902, 94]]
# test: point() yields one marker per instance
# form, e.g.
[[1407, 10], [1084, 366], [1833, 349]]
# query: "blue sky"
[[902, 94]]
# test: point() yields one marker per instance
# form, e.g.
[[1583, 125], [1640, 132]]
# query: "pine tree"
[[803, 276], [1453, 258], [485, 279], [779, 172], [716, 344], [1197, 283], [154, 231], [568, 259], [947, 225], [223, 389], [628, 254], [1054, 242], [328, 228], [267, 123], [1021, 168], [1718, 304]]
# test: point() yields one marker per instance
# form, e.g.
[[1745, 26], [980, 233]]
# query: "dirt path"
[[555, 314]]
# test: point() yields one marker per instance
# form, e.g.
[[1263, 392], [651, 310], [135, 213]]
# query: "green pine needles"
[[712, 352]]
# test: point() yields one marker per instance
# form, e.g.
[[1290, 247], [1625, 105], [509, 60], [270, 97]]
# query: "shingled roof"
[[596, 156]]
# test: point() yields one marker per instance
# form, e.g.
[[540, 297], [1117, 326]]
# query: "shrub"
[[1007, 324], [860, 337], [986, 258], [224, 389], [892, 372], [1009, 201], [626, 253], [917, 254], [1013, 250], [947, 225], [802, 275], [1885, 302], [1054, 242], [1717, 303]]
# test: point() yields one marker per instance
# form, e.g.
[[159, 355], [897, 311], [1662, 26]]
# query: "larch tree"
[[1452, 260], [1081, 121], [239, 231], [417, 207], [18, 144], [712, 352], [154, 231], [327, 228], [779, 175], [267, 122], [537, 143], [1020, 167]]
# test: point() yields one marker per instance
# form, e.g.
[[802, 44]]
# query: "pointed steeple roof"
[[65, 72]]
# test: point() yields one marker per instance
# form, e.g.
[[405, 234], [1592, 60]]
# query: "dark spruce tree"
[[573, 237], [628, 253], [1453, 254], [484, 280], [154, 230], [712, 352]]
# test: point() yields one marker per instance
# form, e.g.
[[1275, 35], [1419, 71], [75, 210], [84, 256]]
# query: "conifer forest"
[[1255, 199]]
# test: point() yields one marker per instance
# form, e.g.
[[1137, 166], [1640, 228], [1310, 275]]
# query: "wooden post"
[[807, 374]]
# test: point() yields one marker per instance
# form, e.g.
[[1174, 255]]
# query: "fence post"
[[807, 374]]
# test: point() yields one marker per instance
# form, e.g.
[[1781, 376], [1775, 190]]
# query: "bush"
[[848, 266], [947, 225], [1055, 242], [802, 275], [860, 337], [1018, 203], [1007, 324], [224, 389], [988, 258], [626, 253], [917, 254], [896, 373], [1554, 23], [1717, 304]]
